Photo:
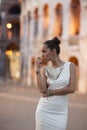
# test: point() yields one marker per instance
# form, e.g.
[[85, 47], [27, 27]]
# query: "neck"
[[57, 62]]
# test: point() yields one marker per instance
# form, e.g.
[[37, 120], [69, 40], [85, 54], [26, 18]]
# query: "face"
[[46, 54]]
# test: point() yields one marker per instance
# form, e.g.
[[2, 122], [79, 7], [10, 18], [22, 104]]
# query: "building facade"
[[44, 19], [10, 39]]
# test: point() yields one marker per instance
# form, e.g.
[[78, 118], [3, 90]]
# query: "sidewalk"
[[18, 88]]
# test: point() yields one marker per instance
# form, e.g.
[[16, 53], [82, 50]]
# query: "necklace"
[[58, 66], [53, 73]]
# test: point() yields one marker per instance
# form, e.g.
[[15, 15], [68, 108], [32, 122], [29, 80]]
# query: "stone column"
[[65, 21], [82, 84], [24, 48], [32, 27], [30, 47], [83, 45], [0, 26], [21, 43], [40, 24], [51, 23], [3, 18], [30, 39], [82, 87], [29, 70], [83, 20]]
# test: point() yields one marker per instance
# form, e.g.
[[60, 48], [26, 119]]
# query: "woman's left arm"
[[72, 83], [68, 89]]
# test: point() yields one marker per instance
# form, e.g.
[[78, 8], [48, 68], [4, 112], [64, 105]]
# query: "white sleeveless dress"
[[52, 112]]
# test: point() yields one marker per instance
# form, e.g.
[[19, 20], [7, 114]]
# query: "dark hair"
[[53, 44]]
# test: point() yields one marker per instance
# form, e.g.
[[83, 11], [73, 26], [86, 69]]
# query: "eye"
[[43, 51]]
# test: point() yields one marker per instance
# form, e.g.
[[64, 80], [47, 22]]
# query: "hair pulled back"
[[53, 44]]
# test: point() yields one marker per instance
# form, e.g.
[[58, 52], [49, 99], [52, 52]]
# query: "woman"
[[55, 82]]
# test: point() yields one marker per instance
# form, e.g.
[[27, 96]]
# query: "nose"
[[42, 55]]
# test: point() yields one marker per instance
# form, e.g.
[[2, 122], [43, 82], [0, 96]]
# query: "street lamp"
[[9, 25]]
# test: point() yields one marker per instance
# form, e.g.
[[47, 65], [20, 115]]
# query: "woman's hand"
[[45, 94], [48, 93], [39, 64]]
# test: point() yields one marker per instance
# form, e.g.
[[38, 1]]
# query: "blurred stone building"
[[10, 65], [44, 19]]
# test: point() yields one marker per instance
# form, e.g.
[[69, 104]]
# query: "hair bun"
[[56, 41]]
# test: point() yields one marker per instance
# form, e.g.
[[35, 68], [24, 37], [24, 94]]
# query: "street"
[[17, 109]]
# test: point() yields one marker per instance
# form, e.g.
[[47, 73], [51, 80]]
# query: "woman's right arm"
[[40, 75], [41, 81]]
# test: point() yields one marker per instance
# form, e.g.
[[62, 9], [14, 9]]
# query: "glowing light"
[[17, 74], [17, 53], [8, 52], [9, 25]]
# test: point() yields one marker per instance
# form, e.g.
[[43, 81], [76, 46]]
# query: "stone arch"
[[29, 20], [74, 17], [57, 29], [15, 30], [15, 9], [35, 22], [75, 61], [13, 63], [45, 19], [33, 78]]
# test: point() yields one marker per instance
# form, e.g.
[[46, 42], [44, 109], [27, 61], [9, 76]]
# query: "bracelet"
[[50, 92]]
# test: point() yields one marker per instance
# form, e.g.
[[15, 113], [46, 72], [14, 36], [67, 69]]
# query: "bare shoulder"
[[72, 66]]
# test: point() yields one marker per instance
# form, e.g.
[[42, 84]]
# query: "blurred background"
[[25, 24]]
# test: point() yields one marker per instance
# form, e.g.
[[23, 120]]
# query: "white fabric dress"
[[52, 112]]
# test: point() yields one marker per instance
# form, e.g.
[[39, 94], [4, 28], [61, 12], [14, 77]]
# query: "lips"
[[44, 61]]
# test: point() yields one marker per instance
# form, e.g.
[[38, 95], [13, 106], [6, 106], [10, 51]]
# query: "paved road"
[[16, 113], [17, 109]]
